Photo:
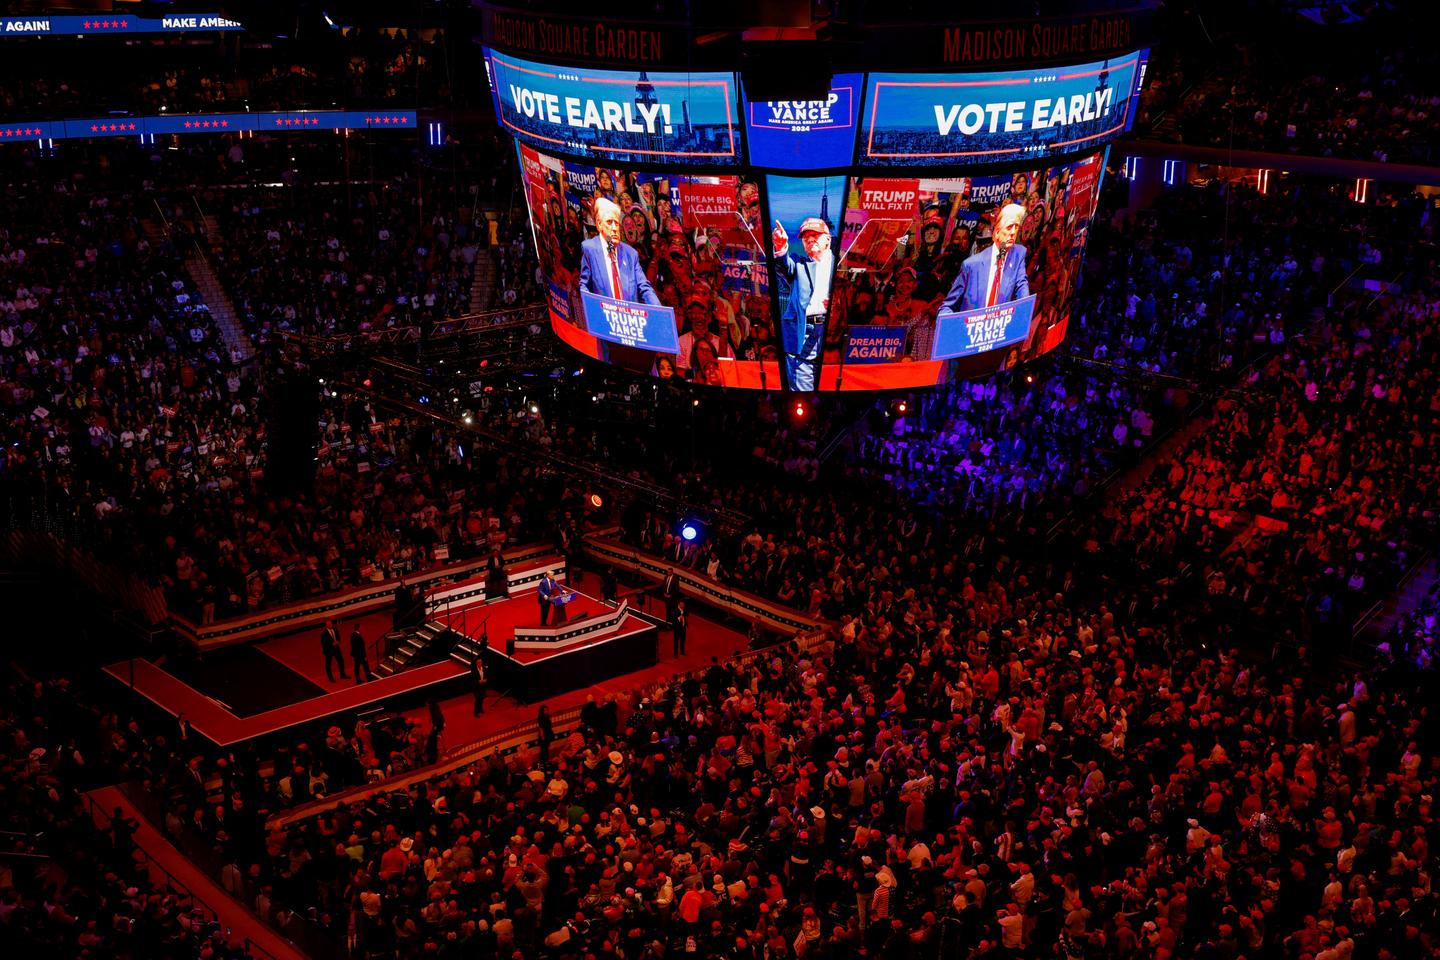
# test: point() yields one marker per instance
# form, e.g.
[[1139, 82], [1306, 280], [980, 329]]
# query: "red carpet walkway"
[[231, 914], [212, 721]]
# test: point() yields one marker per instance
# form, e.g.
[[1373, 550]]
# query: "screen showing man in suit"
[[609, 266], [914, 250], [995, 274], [660, 273], [820, 283]]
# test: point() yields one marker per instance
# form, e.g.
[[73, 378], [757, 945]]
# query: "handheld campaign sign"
[[631, 324], [875, 345], [967, 332]]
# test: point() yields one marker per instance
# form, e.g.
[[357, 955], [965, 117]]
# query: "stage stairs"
[[466, 650], [427, 643]]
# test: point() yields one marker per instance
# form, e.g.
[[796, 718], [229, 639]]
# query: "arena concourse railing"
[[350, 601], [507, 318], [698, 587]]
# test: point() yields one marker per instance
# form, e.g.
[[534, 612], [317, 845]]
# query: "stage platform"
[[248, 693]]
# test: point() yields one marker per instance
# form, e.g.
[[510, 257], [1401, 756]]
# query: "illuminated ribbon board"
[[95, 127], [108, 24]]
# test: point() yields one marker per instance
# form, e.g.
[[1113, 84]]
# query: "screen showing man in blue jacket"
[[808, 272]]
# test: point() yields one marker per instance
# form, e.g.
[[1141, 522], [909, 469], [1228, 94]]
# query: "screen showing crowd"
[[661, 273]]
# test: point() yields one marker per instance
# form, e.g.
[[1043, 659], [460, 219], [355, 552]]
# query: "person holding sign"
[[995, 274], [610, 267], [802, 319]]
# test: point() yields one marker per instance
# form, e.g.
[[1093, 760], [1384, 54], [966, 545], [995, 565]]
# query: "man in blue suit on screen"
[[995, 274], [802, 318], [610, 267]]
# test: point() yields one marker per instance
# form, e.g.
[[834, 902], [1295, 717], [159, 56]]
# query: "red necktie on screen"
[[614, 274], [995, 281]]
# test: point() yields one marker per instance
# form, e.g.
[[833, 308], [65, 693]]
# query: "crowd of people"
[[1042, 440], [1039, 726], [123, 402], [328, 260], [74, 884], [363, 69], [1353, 91], [1028, 759]]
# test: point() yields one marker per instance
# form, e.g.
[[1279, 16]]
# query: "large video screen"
[[627, 116], [806, 134], [945, 279], [855, 283], [922, 119], [660, 273]]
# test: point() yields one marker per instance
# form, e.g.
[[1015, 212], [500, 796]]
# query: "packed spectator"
[[1024, 736], [75, 884], [327, 260], [365, 68], [1360, 91]]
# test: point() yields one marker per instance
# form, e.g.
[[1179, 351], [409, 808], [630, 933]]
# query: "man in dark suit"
[[679, 625], [358, 654], [546, 594], [995, 274], [802, 319], [610, 267], [480, 681], [497, 581], [546, 732], [670, 592], [330, 646]]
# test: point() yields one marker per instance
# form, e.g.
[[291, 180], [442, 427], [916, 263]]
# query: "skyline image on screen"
[[635, 116]]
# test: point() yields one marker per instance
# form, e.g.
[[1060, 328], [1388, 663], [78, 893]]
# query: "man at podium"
[[562, 598], [552, 595]]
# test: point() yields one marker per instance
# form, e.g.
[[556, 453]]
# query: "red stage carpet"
[[300, 652]]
